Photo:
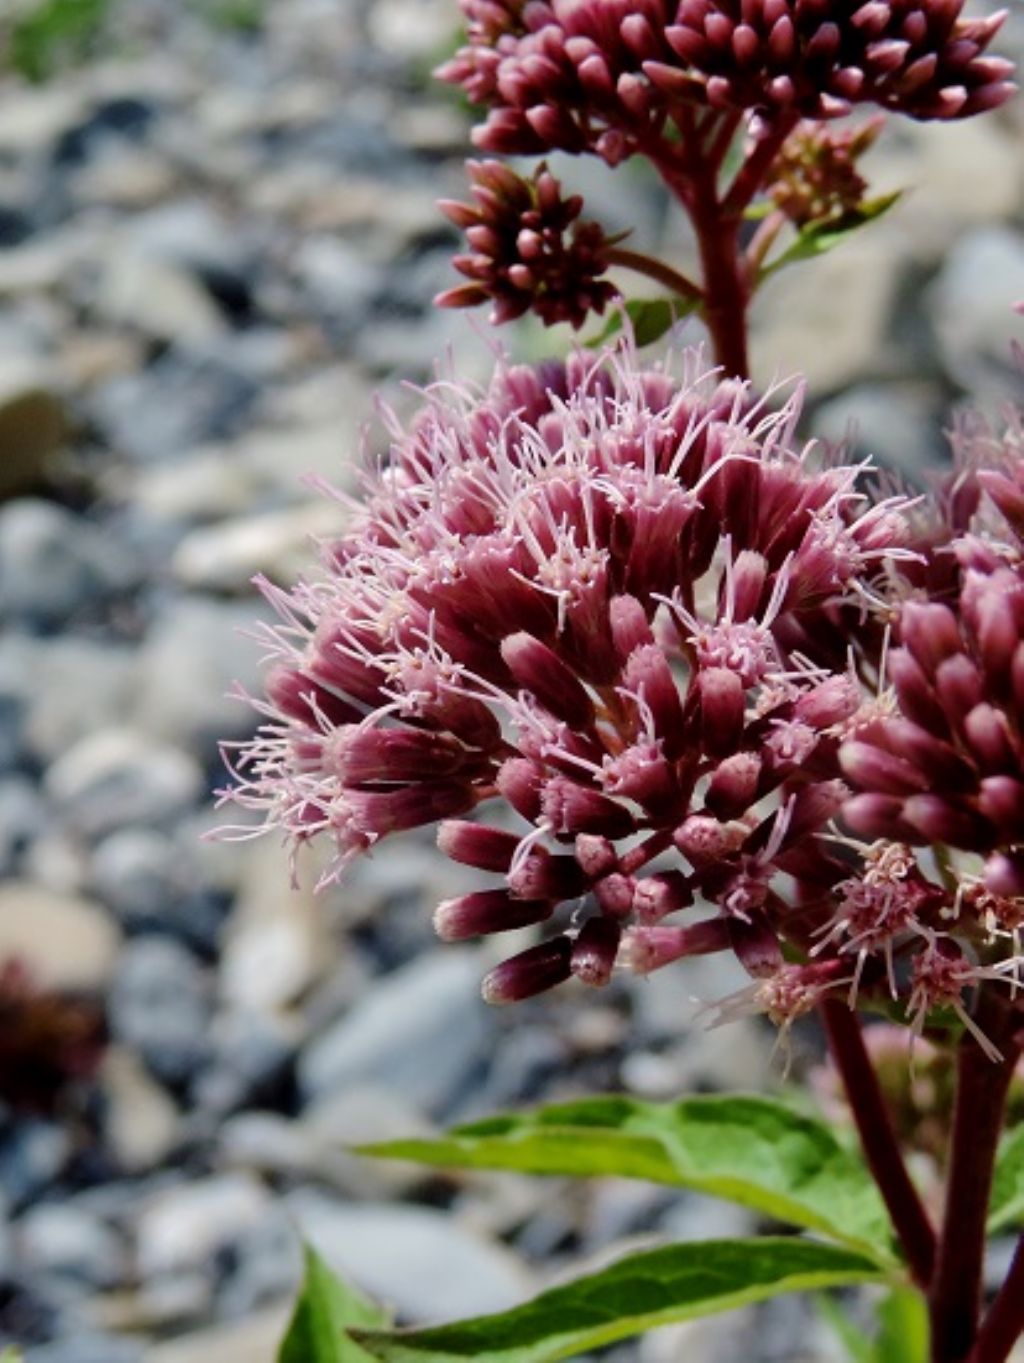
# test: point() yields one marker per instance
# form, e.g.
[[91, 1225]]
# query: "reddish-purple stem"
[[955, 1291], [1004, 1324], [878, 1139]]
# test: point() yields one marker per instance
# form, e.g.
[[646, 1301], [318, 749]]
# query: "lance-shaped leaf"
[[643, 1291], [326, 1308], [1006, 1205], [651, 318], [817, 238], [749, 1150]]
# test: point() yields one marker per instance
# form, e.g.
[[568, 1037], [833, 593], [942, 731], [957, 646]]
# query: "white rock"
[[275, 945], [65, 942], [227, 556], [142, 1123], [158, 297], [70, 1241], [76, 687], [121, 776], [184, 1226], [35, 115], [971, 305], [419, 1261]]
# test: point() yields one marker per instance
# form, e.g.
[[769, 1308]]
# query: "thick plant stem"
[[1004, 1323], [878, 1139], [955, 1295]]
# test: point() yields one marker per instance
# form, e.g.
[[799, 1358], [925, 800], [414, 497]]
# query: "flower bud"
[[486, 911], [474, 844], [571, 808], [366, 755], [987, 732], [874, 769], [594, 950], [734, 784], [1004, 874], [939, 820], [1001, 799], [539, 670], [649, 948], [702, 839], [656, 896], [301, 698], [377, 812], [931, 633], [830, 702], [595, 854], [614, 893], [542, 876], [531, 972], [879, 816], [722, 709], [648, 675], [914, 691], [756, 945], [628, 624], [520, 781], [959, 688]]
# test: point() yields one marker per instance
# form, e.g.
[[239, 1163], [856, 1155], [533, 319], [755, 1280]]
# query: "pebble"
[[70, 1242], [53, 564], [117, 777], [184, 1227], [65, 942], [971, 308], [419, 1260], [159, 1005], [142, 1124], [33, 421], [423, 1031]]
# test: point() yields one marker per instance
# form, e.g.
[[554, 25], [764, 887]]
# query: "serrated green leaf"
[[903, 1335], [817, 238], [327, 1307], [1006, 1205], [749, 1150], [651, 318], [641, 1292]]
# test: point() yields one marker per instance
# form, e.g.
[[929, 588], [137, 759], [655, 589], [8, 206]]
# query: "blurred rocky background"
[[217, 239]]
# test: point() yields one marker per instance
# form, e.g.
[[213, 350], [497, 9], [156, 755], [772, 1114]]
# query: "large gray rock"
[[422, 1031], [419, 1261]]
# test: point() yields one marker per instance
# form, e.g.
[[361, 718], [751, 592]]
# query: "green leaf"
[[643, 1291], [651, 318], [903, 1336], [326, 1309], [753, 1151], [1006, 1205], [817, 238], [857, 1344]]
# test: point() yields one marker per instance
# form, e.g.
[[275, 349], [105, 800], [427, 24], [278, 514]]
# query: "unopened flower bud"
[[571, 808], [595, 949], [656, 896], [649, 948], [930, 631], [486, 911], [521, 781], [530, 972], [875, 769], [733, 785], [722, 708], [540, 671], [596, 854], [614, 893], [940, 820], [628, 624], [474, 844], [702, 839], [540, 875]]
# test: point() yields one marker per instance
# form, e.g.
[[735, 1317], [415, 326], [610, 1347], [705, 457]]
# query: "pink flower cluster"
[[607, 75]]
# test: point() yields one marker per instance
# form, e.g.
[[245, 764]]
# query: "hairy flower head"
[[564, 599]]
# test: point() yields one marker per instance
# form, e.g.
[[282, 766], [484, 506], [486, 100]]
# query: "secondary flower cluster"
[[605, 75], [521, 255], [814, 178]]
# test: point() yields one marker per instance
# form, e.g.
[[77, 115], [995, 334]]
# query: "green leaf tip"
[[325, 1311], [638, 1293], [753, 1151]]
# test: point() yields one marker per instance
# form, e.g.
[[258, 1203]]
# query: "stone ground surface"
[[214, 246]]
